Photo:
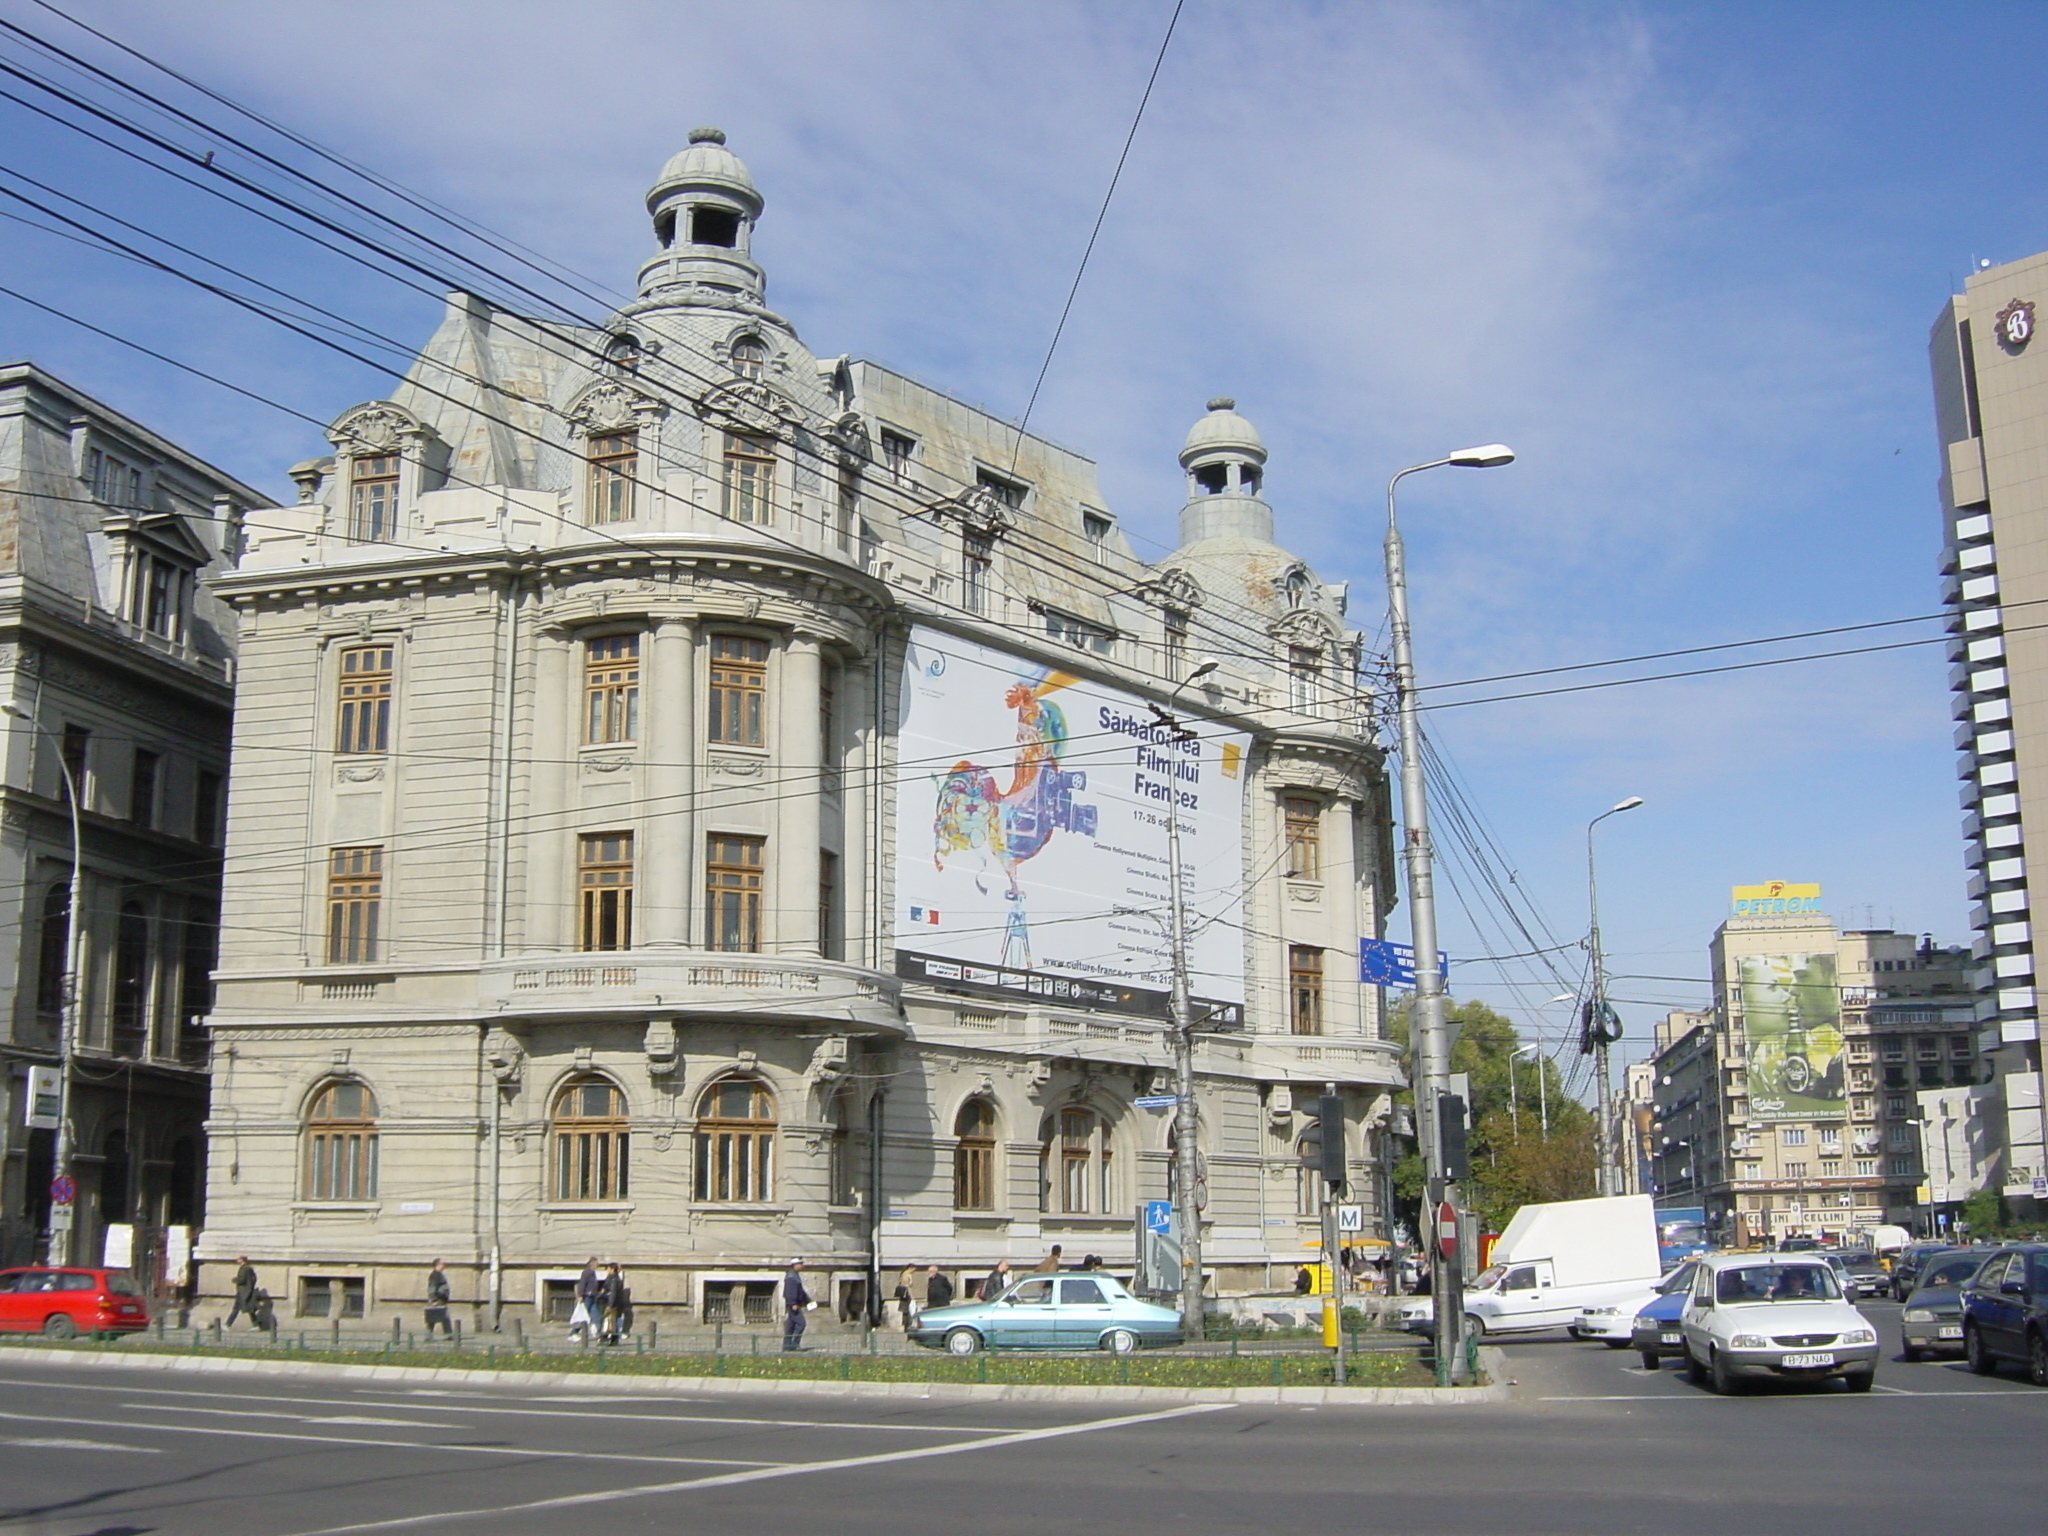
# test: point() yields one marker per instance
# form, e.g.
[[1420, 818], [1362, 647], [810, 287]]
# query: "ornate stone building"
[[123, 665], [577, 838]]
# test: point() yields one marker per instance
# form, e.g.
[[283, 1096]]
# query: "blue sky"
[[1682, 257]]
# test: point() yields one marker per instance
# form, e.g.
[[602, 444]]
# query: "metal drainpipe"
[[875, 1207]]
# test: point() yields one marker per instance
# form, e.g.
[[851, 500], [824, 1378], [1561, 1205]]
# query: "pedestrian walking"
[[906, 1305], [617, 1302], [938, 1290], [584, 1320], [1050, 1264], [437, 1300], [796, 1301], [997, 1282], [245, 1293]]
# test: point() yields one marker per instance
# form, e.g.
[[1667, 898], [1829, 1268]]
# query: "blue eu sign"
[[1383, 963]]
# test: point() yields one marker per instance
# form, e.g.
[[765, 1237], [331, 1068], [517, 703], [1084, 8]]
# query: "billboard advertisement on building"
[[1792, 1020], [1032, 829]]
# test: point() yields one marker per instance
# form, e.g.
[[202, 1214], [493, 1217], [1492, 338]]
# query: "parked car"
[[1654, 1331], [1613, 1324], [1933, 1319], [63, 1303], [1906, 1266], [1052, 1312], [1863, 1275], [2005, 1311], [1774, 1317]]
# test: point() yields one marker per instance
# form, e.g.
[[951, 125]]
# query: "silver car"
[[1774, 1317]]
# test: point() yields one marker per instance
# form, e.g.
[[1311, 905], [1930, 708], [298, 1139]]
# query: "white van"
[[1555, 1260]]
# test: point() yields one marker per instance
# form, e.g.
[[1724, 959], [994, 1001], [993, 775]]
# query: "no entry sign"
[[1447, 1230]]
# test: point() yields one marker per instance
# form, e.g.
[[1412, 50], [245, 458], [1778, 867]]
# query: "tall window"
[[206, 808], [1305, 677], [77, 757], [614, 459], [591, 1140], [847, 1145], [896, 453], [158, 590], [1177, 636], [732, 878], [736, 1142], [1305, 988], [341, 1144], [1080, 1184], [355, 904], [1304, 819], [750, 357], [144, 773], [133, 974], [363, 723], [373, 497], [848, 517], [739, 690], [1009, 492], [611, 689], [749, 478], [974, 1159], [604, 890], [828, 903], [53, 953], [977, 557], [195, 976]]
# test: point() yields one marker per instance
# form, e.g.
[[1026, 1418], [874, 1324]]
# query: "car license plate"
[[1806, 1362], [1951, 1331], [1670, 1338]]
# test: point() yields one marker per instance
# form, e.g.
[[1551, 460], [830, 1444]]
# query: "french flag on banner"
[[925, 915]]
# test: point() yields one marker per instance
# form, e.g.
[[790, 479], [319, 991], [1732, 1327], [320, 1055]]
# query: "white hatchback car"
[[1614, 1324], [1774, 1317]]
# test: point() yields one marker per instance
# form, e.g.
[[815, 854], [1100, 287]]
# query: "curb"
[[586, 1381]]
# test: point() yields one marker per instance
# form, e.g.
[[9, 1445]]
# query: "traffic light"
[[1451, 1137], [1322, 1143]]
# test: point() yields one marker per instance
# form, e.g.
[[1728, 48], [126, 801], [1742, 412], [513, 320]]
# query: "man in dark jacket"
[[796, 1301], [245, 1292], [998, 1281], [437, 1300], [589, 1300], [938, 1290], [618, 1306]]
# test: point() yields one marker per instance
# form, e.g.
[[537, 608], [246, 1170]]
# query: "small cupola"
[[704, 206], [1226, 467]]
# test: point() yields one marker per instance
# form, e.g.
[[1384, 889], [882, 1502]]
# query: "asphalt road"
[[1593, 1444]]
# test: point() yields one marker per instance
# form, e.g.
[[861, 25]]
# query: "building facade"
[[1791, 1108], [116, 668], [1991, 412], [700, 803]]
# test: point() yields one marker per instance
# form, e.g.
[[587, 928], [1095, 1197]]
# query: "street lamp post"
[[1601, 1028], [1181, 1019], [1542, 1085], [63, 1244], [1432, 1039]]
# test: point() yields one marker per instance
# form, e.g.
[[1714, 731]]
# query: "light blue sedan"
[[1089, 1311]]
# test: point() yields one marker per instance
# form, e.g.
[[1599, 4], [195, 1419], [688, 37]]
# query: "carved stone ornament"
[[661, 1046], [1173, 588], [829, 1060], [1305, 628], [978, 510], [849, 436], [379, 427], [748, 405], [360, 773], [506, 1056], [737, 767], [611, 407], [606, 764]]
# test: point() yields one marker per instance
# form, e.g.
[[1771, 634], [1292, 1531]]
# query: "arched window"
[[750, 357], [736, 1142], [53, 953], [974, 1159], [131, 980], [591, 1140], [1077, 1176], [341, 1144]]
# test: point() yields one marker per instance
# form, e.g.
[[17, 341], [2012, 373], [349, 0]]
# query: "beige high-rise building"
[[1991, 407]]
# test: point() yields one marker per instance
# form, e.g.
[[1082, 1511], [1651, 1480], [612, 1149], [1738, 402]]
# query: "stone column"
[[857, 761], [797, 784], [1345, 917], [668, 683], [549, 863]]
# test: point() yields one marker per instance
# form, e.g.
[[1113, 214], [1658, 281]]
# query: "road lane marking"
[[297, 1418], [796, 1469], [401, 1445], [441, 1401], [48, 1443]]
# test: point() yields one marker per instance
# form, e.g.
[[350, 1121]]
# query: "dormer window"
[[115, 481], [750, 357], [613, 457], [373, 498], [1095, 527], [622, 354], [897, 451], [1005, 490], [1079, 632], [714, 226], [159, 594]]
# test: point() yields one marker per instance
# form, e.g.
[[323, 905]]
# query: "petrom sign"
[[1774, 898]]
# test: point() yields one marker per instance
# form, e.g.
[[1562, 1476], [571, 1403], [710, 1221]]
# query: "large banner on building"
[[1792, 1018], [1031, 836]]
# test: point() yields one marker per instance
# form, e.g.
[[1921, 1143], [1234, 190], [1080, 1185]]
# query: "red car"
[[63, 1303]]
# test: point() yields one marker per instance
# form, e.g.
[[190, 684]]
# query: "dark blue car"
[[1656, 1331], [2005, 1312]]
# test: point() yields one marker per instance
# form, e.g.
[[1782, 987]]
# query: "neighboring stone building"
[[615, 869], [1790, 1110], [110, 642], [1991, 410]]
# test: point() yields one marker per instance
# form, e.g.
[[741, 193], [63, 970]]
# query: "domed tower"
[[1226, 463], [704, 205]]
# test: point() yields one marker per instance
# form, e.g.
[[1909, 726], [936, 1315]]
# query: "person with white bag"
[[588, 1316]]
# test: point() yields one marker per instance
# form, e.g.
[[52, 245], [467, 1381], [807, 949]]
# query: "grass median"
[[1162, 1369]]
